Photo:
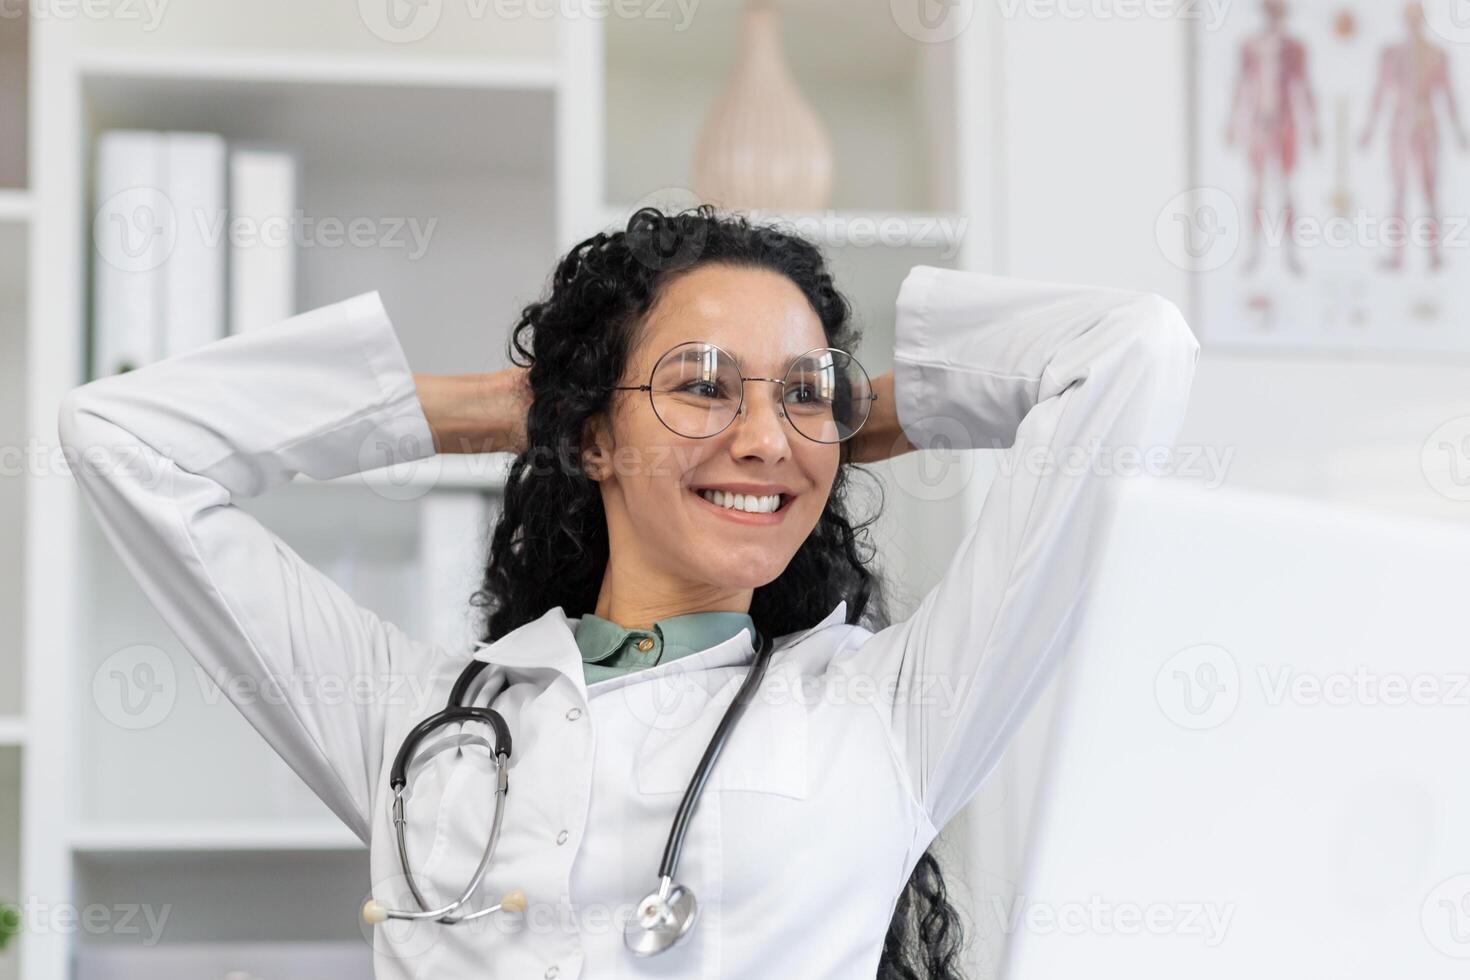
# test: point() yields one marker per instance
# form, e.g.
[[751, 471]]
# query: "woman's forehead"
[[758, 315]]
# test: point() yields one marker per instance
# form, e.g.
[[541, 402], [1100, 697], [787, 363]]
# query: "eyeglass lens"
[[697, 389]]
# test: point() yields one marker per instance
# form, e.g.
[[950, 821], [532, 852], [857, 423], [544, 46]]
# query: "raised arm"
[[165, 452], [1451, 101], [1081, 385]]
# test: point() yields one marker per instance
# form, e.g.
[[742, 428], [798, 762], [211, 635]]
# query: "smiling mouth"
[[767, 506]]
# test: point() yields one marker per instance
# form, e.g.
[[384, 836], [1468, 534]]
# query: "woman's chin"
[[736, 567]]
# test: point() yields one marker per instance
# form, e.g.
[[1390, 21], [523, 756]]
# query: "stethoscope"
[[664, 916]]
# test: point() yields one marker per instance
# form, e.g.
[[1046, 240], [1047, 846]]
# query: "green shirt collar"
[[601, 640]]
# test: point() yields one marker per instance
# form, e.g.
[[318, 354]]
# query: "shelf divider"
[[116, 837], [15, 205], [455, 72]]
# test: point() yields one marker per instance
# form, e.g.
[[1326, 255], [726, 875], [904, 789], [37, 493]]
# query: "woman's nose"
[[761, 417]]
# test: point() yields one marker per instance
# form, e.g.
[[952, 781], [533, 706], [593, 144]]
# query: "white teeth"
[[742, 501]]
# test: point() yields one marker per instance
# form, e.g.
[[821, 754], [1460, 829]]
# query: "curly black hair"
[[549, 546]]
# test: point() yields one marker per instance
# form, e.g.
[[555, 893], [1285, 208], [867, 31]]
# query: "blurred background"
[[172, 171]]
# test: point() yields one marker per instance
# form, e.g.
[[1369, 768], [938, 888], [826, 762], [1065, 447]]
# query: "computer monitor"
[[1261, 759]]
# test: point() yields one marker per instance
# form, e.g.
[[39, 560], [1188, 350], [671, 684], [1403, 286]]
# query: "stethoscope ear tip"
[[374, 912], [514, 901]]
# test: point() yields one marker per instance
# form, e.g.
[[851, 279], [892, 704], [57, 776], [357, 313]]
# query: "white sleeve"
[[162, 454], [1078, 384]]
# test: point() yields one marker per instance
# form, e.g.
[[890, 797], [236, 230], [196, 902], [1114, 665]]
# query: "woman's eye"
[[704, 389]]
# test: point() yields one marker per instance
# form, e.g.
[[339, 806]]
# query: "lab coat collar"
[[548, 643]]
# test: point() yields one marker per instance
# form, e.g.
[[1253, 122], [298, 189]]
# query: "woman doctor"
[[643, 557]]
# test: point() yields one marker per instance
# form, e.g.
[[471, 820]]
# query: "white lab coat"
[[859, 746]]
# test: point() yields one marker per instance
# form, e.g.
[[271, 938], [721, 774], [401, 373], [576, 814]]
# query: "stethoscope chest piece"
[[663, 918]]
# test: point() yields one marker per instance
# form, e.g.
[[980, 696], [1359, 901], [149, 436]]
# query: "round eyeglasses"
[[697, 390]]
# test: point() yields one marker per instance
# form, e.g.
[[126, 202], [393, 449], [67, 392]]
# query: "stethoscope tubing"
[[674, 848], [456, 712]]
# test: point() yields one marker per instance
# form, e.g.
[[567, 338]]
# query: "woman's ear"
[[596, 452]]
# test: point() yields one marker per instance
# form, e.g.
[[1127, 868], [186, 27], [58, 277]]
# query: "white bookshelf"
[[449, 472], [15, 265], [15, 206], [211, 837], [275, 66], [10, 881], [12, 731], [520, 138]]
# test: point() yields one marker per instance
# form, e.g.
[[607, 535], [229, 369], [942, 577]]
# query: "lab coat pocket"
[[449, 819], [766, 751]]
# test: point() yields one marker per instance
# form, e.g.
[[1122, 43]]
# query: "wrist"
[[464, 411], [881, 436]]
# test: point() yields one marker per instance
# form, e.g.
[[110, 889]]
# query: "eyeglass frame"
[[739, 409]]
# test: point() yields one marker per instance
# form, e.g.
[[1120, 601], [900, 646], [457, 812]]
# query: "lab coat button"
[[561, 838], [552, 971], [574, 714]]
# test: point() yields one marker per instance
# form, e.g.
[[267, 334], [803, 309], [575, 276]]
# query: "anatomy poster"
[[1334, 176]]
